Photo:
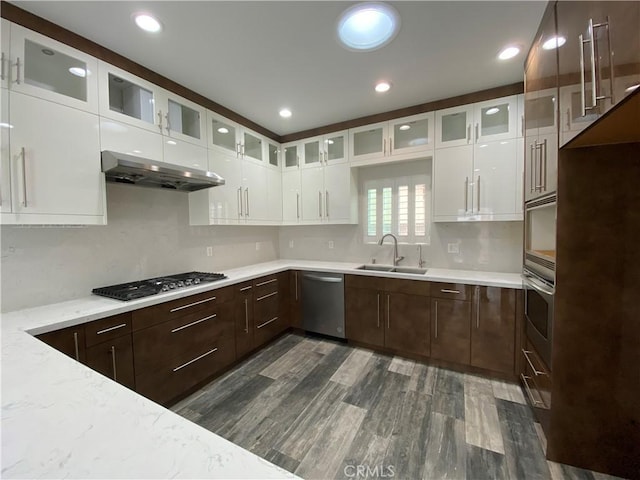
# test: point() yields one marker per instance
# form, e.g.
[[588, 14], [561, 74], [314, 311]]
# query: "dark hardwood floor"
[[324, 410]]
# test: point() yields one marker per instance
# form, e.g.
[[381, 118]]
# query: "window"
[[397, 199]]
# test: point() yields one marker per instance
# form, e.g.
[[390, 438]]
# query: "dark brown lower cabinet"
[[295, 305], [114, 359], [407, 323], [451, 330], [270, 307], [69, 341], [244, 318], [493, 329]]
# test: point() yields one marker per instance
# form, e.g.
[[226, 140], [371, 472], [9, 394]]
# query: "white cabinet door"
[[312, 152], [453, 126], [5, 153], [179, 152], [496, 119], [291, 197], [252, 147], [223, 135], [274, 157], [254, 193], [312, 186], [5, 55], [452, 177], [129, 99], [338, 194], [412, 135], [183, 119], [368, 142], [55, 152], [125, 138], [274, 195], [335, 147], [291, 156], [494, 179], [53, 71], [219, 205]]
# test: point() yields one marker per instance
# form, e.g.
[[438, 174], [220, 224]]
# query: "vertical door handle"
[[298, 206], [592, 51], [18, 71], [477, 306], [24, 176], [326, 203], [466, 194], [544, 175], [320, 204], [388, 312], [296, 282], [531, 169], [610, 51], [469, 133], [378, 309], [242, 151], [246, 315], [240, 201], [436, 324], [160, 120], [246, 196], [477, 132], [534, 163], [568, 119], [583, 100], [75, 344], [2, 66], [237, 149], [478, 206], [166, 117], [113, 360], [390, 146], [522, 125], [384, 146]]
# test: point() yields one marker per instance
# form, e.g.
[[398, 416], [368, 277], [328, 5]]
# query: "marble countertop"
[[62, 419]]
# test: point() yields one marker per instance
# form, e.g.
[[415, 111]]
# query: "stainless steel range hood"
[[132, 170]]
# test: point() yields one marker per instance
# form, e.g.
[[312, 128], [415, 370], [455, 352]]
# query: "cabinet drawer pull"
[[468, 133], [267, 282], [246, 190], [536, 403], [246, 315], [436, 319], [113, 360], [244, 289], [24, 176], [446, 290], [266, 296], [240, 201], [388, 311], [378, 310], [535, 371], [75, 344], [477, 132], [267, 322], [177, 329], [195, 359], [100, 332], [182, 307], [477, 306]]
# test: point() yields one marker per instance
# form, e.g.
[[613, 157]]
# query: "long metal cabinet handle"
[[534, 161], [478, 206], [468, 133], [533, 369], [436, 319], [583, 100], [388, 312], [246, 196], [266, 282], [240, 201], [477, 132], [532, 156], [384, 146], [182, 307], [298, 206], [477, 306], [466, 194], [326, 203], [322, 279], [237, 149], [568, 119], [267, 322], [544, 175], [18, 71], [530, 393], [295, 274], [592, 51], [446, 290], [246, 315], [168, 127], [244, 289], [177, 329], [75, 344], [242, 150], [2, 66], [611, 69], [320, 204], [378, 310], [160, 120], [266, 296], [113, 360], [24, 176], [522, 125], [213, 350], [110, 329]]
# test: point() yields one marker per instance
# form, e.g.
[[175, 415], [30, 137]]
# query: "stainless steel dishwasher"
[[323, 303]]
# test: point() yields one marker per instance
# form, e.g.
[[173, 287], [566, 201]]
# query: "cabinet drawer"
[[267, 329], [107, 329], [362, 281], [265, 285], [114, 359], [266, 307], [158, 346], [243, 289], [410, 287], [202, 302], [454, 291], [536, 379], [186, 371]]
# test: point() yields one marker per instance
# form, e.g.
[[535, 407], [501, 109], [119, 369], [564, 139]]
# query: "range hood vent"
[[132, 170]]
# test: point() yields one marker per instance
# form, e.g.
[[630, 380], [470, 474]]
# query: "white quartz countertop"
[[62, 419]]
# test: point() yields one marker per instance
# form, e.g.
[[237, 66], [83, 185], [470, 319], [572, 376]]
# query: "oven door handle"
[[538, 286]]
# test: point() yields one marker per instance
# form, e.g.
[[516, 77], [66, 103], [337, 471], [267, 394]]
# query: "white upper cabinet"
[[47, 69], [273, 154], [454, 126], [328, 195], [182, 119], [325, 149], [291, 197], [398, 139], [274, 196], [5, 53], [291, 153], [229, 137]]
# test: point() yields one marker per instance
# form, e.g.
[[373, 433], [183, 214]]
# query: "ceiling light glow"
[[554, 42], [492, 111], [285, 113], [632, 88], [147, 23], [223, 130], [368, 26], [382, 87], [78, 71], [509, 52], [172, 142], [405, 127]]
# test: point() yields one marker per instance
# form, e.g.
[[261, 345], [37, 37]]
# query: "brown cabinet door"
[[363, 316], [407, 323], [69, 341], [493, 329], [107, 329], [294, 299], [114, 359], [451, 330], [244, 319]]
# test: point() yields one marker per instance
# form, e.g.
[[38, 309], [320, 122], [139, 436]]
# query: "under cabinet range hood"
[[132, 170]]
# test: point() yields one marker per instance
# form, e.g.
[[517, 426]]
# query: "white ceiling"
[[257, 57]]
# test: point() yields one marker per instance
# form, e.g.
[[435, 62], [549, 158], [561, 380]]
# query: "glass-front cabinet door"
[[368, 142], [453, 126], [183, 119], [291, 156], [45, 68], [313, 155], [273, 154], [335, 147], [224, 135], [252, 146], [411, 134], [496, 119]]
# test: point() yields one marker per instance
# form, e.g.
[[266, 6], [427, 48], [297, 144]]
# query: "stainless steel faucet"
[[396, 258]]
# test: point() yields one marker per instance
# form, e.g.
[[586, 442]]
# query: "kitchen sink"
[[391, 269]]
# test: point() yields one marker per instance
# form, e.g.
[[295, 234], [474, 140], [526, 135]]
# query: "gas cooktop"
[[153, 286]]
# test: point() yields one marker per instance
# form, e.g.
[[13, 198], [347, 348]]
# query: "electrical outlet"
[[453, 248], [257, 246], [290, 243], [331, 244], [209, 251]]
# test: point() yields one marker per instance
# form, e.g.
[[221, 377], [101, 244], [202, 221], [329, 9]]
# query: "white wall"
[[148, 235]]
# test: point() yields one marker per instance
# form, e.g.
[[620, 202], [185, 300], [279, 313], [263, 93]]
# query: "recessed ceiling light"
[[492, 111], [382, 87], [368, 26], [632, 88], [78, 72], [405, 127], [554, 42], [223, 130], [285, 113], [509, 52], [171, 142], [147, 22]]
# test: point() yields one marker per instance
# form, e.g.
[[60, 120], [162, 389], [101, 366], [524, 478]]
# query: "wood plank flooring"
[[324, 410]]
